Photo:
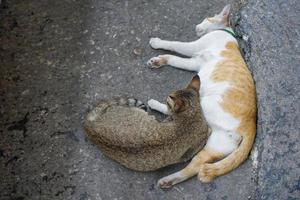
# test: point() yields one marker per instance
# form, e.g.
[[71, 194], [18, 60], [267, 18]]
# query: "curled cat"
[[126, 133]]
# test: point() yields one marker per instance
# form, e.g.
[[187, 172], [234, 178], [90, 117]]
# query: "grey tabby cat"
[[125, 132]]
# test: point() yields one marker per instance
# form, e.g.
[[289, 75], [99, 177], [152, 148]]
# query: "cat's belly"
[[226, 95], [216, 117], [224, 137], [223, 142], [212, 94]]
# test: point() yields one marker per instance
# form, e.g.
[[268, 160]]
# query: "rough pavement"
[[272, 31], [59, 57]]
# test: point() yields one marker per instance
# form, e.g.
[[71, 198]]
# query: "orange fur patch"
[[206, 155], [240, 99]]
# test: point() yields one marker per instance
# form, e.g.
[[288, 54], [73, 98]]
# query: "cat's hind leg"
[[204, 156], [190, 64], [183, 48]]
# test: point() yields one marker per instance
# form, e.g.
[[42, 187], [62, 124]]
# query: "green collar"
[[228, 31]]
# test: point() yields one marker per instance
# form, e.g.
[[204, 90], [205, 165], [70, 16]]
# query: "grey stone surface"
[[59, 57], [273, 55]]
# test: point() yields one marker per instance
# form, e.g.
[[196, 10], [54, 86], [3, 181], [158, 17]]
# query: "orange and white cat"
[[227, 93]]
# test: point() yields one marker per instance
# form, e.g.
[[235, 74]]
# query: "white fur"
[[156, 105], [207, 26], [205, 54]]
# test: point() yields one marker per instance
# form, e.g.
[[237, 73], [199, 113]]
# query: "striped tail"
[[131, 102]]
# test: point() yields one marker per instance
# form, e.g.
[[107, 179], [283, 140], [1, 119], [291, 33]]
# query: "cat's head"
[[186, 99], [216, 22]]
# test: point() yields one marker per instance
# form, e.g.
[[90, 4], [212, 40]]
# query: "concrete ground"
[[58, 58]]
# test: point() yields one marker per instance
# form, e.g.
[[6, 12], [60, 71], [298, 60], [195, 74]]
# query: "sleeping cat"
[[129, 135], [228, 97]]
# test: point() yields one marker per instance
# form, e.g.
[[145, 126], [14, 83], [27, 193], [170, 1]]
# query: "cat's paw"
[[153, 104], [157, 62], [155, 43], [207, 173], [165, 182]]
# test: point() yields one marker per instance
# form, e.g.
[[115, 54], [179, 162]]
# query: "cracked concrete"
[[59, 57]]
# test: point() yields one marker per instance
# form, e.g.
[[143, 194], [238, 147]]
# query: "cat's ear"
[[178, 105], [224, 14], [194, 83]]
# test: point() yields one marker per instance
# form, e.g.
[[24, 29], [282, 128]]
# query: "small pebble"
[[137, 51]]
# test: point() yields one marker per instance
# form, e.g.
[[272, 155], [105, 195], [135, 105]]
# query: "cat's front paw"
[[153, 104], [155, 43], [157, 62]]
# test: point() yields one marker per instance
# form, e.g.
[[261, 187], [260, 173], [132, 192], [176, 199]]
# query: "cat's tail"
[[130, 102], [209, 171], [102, 106]]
